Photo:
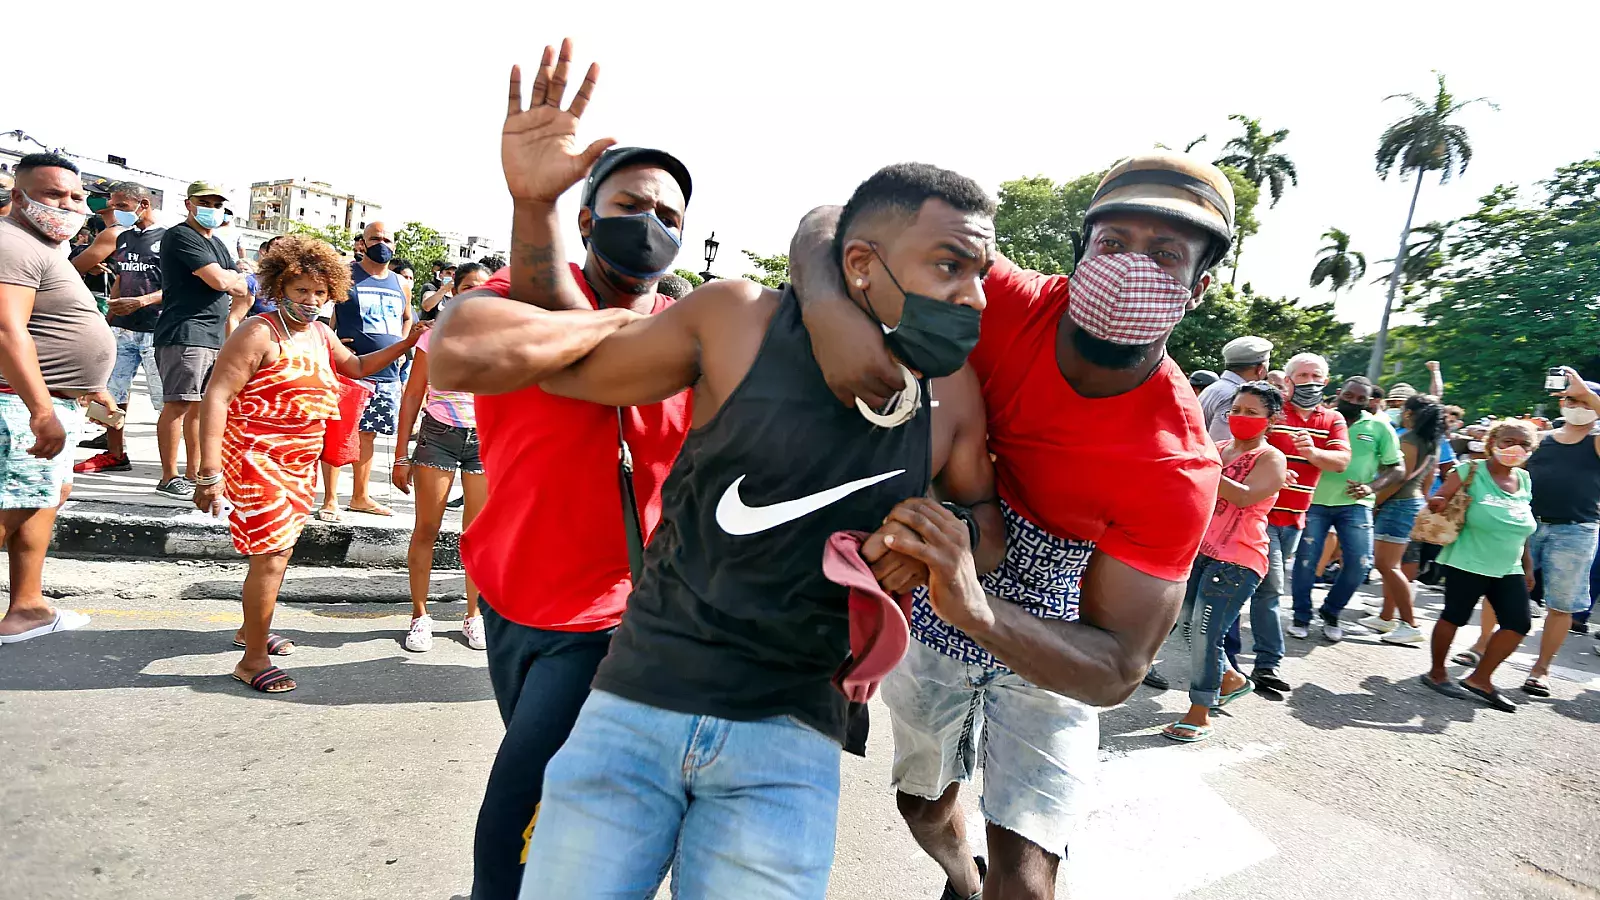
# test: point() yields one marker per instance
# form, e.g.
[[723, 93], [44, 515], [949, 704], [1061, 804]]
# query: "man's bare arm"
[[488, 344], [848, 346], [98, 251], [651, 358], [539, 271]]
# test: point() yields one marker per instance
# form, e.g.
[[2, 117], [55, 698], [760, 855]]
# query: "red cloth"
[[1135, 473], [1328, 432], [880, 632], [548, 550]]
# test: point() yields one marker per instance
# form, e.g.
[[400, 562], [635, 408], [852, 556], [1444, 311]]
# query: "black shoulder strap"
[[632, 529]]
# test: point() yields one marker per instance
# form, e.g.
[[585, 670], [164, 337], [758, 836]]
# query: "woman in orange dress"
[[269, 400]]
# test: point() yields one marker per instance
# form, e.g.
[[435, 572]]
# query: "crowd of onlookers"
[[1328, 481]]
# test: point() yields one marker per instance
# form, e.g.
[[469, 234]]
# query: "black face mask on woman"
[[933, 337]]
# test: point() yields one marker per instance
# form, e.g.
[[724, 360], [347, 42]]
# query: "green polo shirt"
[[1373, 445]]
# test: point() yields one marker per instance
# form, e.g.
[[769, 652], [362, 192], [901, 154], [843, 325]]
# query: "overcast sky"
[[775, 113]]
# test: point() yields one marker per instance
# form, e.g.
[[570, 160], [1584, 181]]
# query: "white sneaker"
[[472, 629], [1333, 631], [1302, 631], [420, 638], [1380, 625], [1405, 634]]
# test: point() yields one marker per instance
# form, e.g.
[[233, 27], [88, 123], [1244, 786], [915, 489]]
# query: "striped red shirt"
[[1328, 432]]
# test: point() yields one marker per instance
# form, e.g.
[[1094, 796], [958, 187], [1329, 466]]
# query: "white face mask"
[[1581, 416]]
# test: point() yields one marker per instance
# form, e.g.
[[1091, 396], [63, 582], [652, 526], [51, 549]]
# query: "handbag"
[[1443, 527]]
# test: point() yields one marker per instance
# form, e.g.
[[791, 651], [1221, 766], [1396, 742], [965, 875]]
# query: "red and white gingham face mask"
[[1126, 298]]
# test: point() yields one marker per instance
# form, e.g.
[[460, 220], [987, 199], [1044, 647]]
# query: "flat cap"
[[1246, 351]]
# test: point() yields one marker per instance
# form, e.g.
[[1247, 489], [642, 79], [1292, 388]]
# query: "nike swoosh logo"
[[737, 518]]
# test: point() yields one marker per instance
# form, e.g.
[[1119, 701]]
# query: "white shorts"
[[1037, 748]]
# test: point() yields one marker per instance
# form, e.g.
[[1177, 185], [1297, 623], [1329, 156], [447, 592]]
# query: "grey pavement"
[[132, 766]]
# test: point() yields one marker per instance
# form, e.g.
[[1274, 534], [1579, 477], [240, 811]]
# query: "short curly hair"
[[1512, 425], [294, 257]]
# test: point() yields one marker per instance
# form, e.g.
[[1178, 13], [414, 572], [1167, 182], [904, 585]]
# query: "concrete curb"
[[146, 532]]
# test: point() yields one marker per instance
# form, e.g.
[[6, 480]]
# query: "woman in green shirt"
[[1489, 558]]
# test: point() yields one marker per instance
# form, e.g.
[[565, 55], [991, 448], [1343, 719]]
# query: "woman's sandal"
[[331, 516], [1492, 698], [1184, 733], [1467, 658], [1536, 687], [1248, 687], [277, 645], [271, 680]]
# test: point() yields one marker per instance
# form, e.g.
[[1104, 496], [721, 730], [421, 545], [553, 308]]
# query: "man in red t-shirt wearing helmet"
[[1108, 481], [550, 550]]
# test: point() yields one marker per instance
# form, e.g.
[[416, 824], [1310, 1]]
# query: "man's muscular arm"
[[539, 271], [488, 344], [1124, 615]]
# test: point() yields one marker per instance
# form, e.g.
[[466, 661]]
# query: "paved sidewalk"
[[120, 513]]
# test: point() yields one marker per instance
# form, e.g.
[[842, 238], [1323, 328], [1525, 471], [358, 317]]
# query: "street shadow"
[[387, 588], [1584, 708], [1399, 707], [1120, 727], [110, 660]]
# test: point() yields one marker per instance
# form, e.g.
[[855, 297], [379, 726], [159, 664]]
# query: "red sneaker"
[[103, 462]]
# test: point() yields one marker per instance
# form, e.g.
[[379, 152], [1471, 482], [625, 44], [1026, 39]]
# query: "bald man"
[[376, 315]]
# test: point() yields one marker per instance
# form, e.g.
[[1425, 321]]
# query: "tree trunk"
[[1238, 248], [1375, 365]]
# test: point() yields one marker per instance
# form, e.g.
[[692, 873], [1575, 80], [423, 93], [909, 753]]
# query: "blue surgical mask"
[[208, 217], [125, 219]]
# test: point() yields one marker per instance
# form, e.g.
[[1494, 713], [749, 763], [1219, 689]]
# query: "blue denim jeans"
[[740, 810], [1266, 629], [134, 348], [1217, 592], [1353, 524], [1564, 554]]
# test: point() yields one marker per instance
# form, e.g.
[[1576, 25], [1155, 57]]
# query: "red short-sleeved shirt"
[[1134, 473], [548, 550], [1328, 432]]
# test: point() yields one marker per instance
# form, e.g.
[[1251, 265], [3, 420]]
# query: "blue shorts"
[[1391, 522], [1038, 749], [26, 481], [1564, 553], [383, 407]]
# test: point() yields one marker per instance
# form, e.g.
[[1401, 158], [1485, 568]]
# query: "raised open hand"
[[539, 149]]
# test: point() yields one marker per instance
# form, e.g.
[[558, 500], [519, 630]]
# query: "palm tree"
[[1424, 255], [1425, 141], [1252, 153], [1337, 264]]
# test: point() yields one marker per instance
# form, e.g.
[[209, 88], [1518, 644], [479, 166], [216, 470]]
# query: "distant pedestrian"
[[492, 263], [675, 286], [1421, 426], [262, 424], [1200, 379], [446, 442], [55, 348], [1247, 360]]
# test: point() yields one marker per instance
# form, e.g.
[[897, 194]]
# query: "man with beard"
[[1343, 503], [1107, 480]]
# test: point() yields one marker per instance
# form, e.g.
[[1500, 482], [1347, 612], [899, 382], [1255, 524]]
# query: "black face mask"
[[379, 252], [933, 337], [1350, 411], [638, 246]]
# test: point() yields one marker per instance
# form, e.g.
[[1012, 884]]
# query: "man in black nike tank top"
[[711, 739]]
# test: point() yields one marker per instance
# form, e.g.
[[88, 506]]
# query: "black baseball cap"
[[621, 157]]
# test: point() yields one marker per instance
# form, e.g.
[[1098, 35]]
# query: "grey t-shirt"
[[74, 343]]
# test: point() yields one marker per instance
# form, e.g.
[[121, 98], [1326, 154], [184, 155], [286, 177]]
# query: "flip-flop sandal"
[[376, 509], [277, 645], [1493, 699], [1195, 733], [1536, 687], [65, 620], [1467, 658], [269, 681], [331, 516], [1248, 687], [1447, 688]]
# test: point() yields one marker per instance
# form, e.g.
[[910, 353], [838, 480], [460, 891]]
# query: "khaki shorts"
[[184, 371]]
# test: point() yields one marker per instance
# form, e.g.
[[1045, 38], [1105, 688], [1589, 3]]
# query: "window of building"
[[302, 212]]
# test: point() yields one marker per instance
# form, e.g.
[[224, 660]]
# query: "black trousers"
[[540, 679], [1507, 596]]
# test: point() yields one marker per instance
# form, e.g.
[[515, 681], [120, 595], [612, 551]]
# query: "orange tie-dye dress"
[[273, 439]]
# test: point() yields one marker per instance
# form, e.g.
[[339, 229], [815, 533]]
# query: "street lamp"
[[711, 256]]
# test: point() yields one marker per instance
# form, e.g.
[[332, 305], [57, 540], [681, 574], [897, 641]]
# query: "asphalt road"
[[132, 766]]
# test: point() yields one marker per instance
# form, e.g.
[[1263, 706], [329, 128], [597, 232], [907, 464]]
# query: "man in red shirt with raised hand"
[[549, 552], [1108, 481]]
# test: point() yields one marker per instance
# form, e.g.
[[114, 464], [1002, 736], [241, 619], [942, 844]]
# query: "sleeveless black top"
[[1566, 481], [732, 616]]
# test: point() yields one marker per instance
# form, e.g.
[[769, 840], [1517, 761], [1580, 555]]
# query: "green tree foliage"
[[339, 237], [422, 246], [1255, 157], [1228, 312], [689, 276], [1521, 294], [774, 269], [1338, 265], [1245, 197], [1424, 258], [1037, 219]]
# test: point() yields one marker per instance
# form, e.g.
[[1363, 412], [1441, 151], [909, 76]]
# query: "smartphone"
[[99, 413]]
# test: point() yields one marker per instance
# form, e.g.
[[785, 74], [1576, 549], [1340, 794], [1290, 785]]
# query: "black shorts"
[[1508, 597], [447, 447]]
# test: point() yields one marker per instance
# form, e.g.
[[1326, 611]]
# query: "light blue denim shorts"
[[1563, 555]]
